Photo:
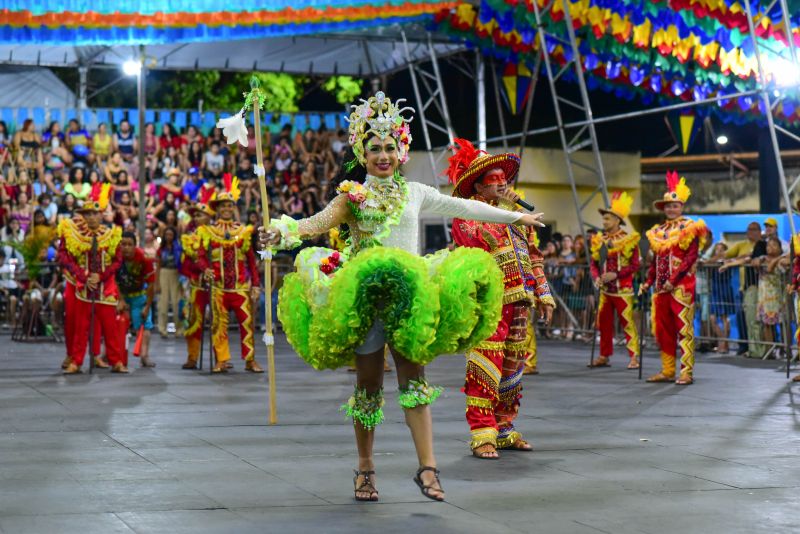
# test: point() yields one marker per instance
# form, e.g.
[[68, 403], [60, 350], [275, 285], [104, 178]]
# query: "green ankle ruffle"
[[418, 393], [366, 408]]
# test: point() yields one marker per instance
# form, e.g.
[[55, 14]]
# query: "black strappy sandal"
[[366, 487], [426, 490]]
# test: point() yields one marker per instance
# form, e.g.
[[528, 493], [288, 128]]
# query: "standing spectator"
[[722, 297], [770, 288], [747, 319], [102, 143], [169, 258], [771, 229], [150, 246]]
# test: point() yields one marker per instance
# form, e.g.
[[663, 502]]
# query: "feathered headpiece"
[[379, 116], [677, 191], [621, 203], [231, 192], [468, 164], [203, 202], [98, 198]]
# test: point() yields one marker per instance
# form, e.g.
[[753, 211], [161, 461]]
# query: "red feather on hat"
[[672, 180], [206, 193], [460, 161]]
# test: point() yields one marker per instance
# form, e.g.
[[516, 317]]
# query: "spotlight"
[[131, 67], [722, 140]]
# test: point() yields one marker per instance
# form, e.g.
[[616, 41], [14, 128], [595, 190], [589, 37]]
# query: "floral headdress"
[[379, 116]]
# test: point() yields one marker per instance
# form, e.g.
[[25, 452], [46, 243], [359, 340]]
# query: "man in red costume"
[[676, 244], [90, 257], [614, 278], [136, 279], [494, 367], [227, 258], [202, 214]]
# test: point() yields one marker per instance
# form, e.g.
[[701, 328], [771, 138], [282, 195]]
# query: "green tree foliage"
[[224, 91], [345, 88]]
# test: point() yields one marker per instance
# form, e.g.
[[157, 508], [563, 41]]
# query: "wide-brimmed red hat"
[[469, 164]]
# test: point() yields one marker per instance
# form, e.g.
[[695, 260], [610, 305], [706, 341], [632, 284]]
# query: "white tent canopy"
[[372, 52], [23, 85]]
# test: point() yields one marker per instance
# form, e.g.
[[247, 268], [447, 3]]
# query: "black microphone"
[[525, 205]]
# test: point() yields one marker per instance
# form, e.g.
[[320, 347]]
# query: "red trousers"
[[623, 306], [106, 325], [239, 303], [493, 385], [673, 323], [194, 333]]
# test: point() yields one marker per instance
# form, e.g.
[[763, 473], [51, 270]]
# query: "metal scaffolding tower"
[[579, 137], [769, 105], [432, 111]]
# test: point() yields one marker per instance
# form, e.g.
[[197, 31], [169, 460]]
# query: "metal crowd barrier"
[[746, 306]]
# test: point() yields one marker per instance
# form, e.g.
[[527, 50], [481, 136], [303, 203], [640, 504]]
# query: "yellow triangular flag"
[[687, 125]]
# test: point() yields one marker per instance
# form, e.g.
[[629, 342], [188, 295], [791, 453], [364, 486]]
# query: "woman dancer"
[[385, 293]]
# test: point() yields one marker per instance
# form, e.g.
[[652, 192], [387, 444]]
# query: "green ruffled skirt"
[[439, 304]]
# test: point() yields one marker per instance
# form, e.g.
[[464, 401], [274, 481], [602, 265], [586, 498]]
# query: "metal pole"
[[140, 88], [83, 72], [500, 115], [423, 121], [770, 120], [601, 174], [480, 82], [529, 105], [561, 127], [442, 98]]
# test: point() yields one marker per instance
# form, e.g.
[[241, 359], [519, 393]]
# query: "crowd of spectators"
[[46, 175]]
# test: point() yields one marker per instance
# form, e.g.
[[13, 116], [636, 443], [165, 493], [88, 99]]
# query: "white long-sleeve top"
[[405, 234]]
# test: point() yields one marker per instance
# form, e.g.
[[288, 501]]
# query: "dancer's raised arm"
[[462, 208], [288, 233]]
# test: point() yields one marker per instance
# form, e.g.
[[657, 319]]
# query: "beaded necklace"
[[376, 206]]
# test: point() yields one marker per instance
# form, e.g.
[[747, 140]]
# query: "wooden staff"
[[270, 341]]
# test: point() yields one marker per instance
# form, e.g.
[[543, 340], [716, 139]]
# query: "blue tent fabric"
[[38, 117]]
